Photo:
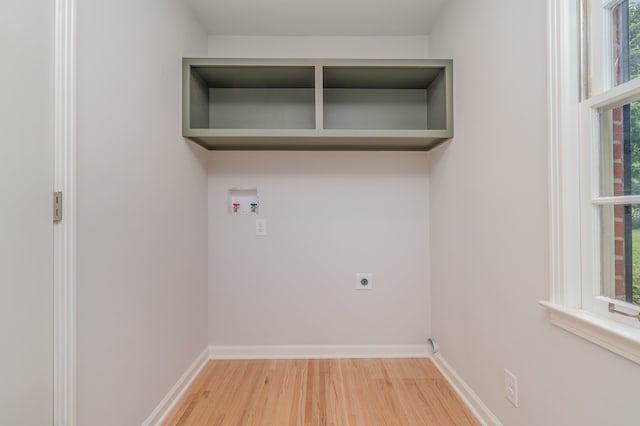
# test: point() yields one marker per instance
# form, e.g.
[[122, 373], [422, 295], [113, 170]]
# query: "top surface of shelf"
[[253, 62]]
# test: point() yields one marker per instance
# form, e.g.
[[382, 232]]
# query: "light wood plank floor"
[[338, 392]]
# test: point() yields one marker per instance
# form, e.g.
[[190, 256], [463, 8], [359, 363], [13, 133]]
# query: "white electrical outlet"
[[364, 281], [511, 387], [261, 227]]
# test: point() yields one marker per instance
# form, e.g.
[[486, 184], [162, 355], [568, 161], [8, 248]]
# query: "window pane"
[[620, 150], [626, 41], [620, 244]]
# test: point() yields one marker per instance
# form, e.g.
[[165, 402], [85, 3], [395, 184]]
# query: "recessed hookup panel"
[[243, 201]]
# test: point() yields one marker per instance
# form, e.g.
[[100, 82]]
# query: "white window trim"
[[567, 245], [611, 335]]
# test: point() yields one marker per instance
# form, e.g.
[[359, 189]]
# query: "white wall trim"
[[468, 396], [608, 333], [160, 413], [317, 351], [563, 152], [64, 233]]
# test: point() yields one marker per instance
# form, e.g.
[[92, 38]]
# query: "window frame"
[[574, 134], [590, 139]]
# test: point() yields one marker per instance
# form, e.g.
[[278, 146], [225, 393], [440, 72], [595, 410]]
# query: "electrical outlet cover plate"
[[261, 227], [364, 281], [511, 387]]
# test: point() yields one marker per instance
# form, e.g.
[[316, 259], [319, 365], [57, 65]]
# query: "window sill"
[[618, 338]]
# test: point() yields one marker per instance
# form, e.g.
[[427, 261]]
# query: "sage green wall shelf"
[[271, 104]]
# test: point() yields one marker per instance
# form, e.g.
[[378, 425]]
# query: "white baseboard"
[[468, 396], [169, 401], [317, 352]]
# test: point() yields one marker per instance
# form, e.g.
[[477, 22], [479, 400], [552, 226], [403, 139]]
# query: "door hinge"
[[57, 206]]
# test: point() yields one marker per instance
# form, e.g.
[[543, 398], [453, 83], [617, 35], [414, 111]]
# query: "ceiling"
[[317, 17]]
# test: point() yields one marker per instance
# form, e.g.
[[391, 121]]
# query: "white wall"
[[329, 215], [489, 230], [142, 244], [26, 229], [351, 47]]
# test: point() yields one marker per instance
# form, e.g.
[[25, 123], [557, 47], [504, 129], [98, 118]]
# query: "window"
[[620, 162], [611, 175], [619, 168], [595, 171]]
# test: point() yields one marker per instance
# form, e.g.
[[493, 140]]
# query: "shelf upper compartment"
[[317, 104], [253, 77], [380, 77]]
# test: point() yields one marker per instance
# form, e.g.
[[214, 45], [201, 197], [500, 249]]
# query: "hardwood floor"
[[338, 392]]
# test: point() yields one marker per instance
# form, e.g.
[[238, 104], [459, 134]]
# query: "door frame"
[[64, 232]]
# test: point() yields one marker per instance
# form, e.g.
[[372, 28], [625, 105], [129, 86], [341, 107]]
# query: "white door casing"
[[64, 367]]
